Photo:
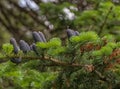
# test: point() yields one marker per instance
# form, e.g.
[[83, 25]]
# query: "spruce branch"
[[105, 20], [53, 60]]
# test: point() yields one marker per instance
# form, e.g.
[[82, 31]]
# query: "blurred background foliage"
[[18, 18]]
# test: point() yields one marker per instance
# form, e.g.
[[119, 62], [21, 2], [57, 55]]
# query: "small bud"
[[36, 37], [42, 36], [77, 33], [16, 60], [15, 46], [24, 46], [33, 47], [70, 33]]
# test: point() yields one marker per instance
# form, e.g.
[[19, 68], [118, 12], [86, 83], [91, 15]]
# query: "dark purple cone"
[[15, 46], [28, 47], [33, 47], [16, 49], [37, 37], [77, 33], [42, 36], [24, 46], [70, 33]]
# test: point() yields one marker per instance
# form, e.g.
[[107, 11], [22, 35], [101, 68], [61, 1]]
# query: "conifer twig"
[[53, 60], [105, 20]]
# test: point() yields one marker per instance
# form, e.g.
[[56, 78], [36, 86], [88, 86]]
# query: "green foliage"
[[89, 60], [56, 51], [107, 50], [42, 45], [23, 78], [7, 48], [54, 42], [80, 62], [109, 38], [85, 36], [88, 17]]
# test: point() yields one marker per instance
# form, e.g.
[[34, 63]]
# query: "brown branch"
[[102, 77], [55, 61]]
